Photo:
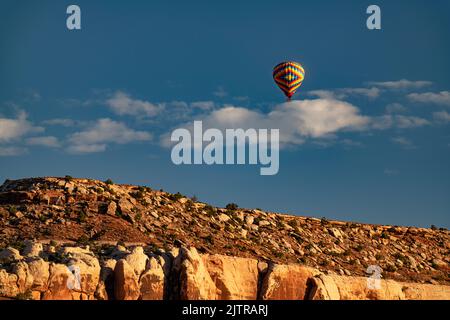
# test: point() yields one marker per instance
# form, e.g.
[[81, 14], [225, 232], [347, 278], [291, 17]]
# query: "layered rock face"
[[74, 273], [65, 238]]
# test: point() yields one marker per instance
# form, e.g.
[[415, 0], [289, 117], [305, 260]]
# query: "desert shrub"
[[347, 252], [189, 205], [12, 209], [278, 254], [210, 211], [293, 223], [109, 181], [303, 260], [83, 240], [82, 216], [324, 263], [138, 194], [68, 178], [19, 245], [231, 206], [390, 268], [138, 216], [209, 239], [175, 196]]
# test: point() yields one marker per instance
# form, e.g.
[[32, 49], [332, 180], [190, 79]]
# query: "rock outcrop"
[[211, 277], [65, 238], [186, 274]]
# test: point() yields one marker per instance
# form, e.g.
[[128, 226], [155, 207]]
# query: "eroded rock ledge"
[[50, 271]]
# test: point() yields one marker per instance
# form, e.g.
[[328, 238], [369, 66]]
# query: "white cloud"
[[47, 141], [401, 84], [323, 94], [202, 105], [12, 151], [405, 143], [122, 104], [297, 120], [382, 122], [442, 116], [410, 122], [397, 121], [11, 129], [440, 98], [178, 104], [86, 148], [395, 108], [345, 92], [317, 118], [102, 132], [60, 122], [368, 92]]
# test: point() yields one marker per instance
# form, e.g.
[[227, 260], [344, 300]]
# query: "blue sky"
[[97, 102]]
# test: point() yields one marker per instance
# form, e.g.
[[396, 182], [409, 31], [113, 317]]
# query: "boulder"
[[249, 220], [323, 288], [24, 276], [126, 285], [8, 284], [109, 209], [125, 206], [32, 249], [9, 255], [137, 260], [195, 281], [86, 265], [59, 282], [224, 217], [218, 277], [153, 281], [286, 282], [40, 270], [439, 264]]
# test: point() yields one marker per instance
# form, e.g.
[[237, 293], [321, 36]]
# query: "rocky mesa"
[[82, 239]]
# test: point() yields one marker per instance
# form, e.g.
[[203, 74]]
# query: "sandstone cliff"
[[97, 240], [75, 273]]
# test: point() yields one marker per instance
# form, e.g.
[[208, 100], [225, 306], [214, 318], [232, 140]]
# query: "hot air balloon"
[[288, 76]]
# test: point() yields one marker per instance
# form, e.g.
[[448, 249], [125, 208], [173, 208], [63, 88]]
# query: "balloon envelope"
[[288, 76]]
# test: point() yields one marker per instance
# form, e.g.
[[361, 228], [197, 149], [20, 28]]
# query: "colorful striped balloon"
[[289, 77]]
